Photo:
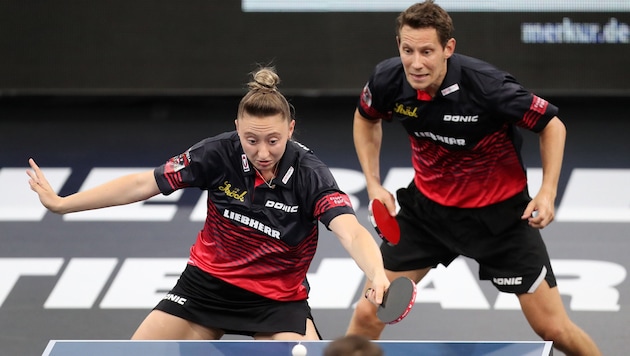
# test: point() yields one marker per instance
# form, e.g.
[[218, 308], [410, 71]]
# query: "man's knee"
[[365, 315], [558, 332]]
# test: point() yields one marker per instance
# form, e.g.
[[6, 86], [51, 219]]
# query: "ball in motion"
[[298, 350]]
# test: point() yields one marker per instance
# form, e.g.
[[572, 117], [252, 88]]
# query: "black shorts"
[[205, 300], [510, 253]]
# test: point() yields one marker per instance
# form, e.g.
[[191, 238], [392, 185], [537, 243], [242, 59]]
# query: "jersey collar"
[[287, 171], [450, 87]]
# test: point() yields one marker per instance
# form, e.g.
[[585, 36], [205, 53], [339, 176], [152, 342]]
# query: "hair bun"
[[264, 78]]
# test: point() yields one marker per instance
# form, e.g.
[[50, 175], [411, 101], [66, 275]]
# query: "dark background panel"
[[208, 47], [160, 126]]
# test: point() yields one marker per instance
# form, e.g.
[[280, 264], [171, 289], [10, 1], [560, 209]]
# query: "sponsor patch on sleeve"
[[338, 199], [366, 96], [177, 163], [539, 105]]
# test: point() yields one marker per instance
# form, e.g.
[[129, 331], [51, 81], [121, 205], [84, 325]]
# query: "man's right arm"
[[368, 136]]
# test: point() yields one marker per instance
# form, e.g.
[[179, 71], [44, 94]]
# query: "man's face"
[[423, 57]]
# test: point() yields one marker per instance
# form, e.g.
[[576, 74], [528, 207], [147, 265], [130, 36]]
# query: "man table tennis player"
[[469, 194]]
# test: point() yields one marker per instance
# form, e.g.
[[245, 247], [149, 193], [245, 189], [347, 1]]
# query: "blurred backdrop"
[[321, 47], [97, 89]]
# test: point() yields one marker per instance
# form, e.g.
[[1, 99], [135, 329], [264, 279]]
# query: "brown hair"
[[263, 97], [427, 14]]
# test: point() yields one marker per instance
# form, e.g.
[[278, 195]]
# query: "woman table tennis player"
[[247, 269]]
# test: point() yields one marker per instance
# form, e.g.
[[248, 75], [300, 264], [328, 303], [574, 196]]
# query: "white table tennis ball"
[[298, 350]]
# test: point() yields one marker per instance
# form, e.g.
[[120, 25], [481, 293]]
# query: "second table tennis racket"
[[386, 226]]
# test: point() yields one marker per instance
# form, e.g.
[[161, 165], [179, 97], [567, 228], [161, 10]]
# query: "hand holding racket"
[[384, 223], [398, 300]]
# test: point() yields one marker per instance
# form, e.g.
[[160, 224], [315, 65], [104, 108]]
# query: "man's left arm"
[[540, 211]]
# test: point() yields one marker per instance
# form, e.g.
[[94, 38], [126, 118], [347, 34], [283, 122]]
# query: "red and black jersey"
[[258, 237], [465, 141]]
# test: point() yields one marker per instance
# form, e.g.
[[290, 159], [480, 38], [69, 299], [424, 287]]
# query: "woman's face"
[[264, 139]]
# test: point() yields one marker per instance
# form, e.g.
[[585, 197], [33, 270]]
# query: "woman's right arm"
[[120, 191]]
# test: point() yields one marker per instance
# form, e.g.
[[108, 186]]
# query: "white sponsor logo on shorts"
[[508, 281], [175, 298]]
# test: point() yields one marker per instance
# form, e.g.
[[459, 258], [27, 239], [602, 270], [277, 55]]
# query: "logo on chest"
[[232, 192], [281, 206], [461, 118], [406, 110]]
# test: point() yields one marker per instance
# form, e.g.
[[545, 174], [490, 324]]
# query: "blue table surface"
[[314, 348]]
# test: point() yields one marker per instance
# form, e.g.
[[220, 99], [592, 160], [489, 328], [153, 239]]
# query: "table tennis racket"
[[385, 225], [398, 300]]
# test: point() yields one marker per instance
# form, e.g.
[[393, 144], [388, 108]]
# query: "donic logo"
[[461, 118], [508, 281], [281, 206], [175, 298]]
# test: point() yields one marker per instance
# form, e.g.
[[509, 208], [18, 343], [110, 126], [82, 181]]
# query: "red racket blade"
[[385, 225], [397, 301]]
